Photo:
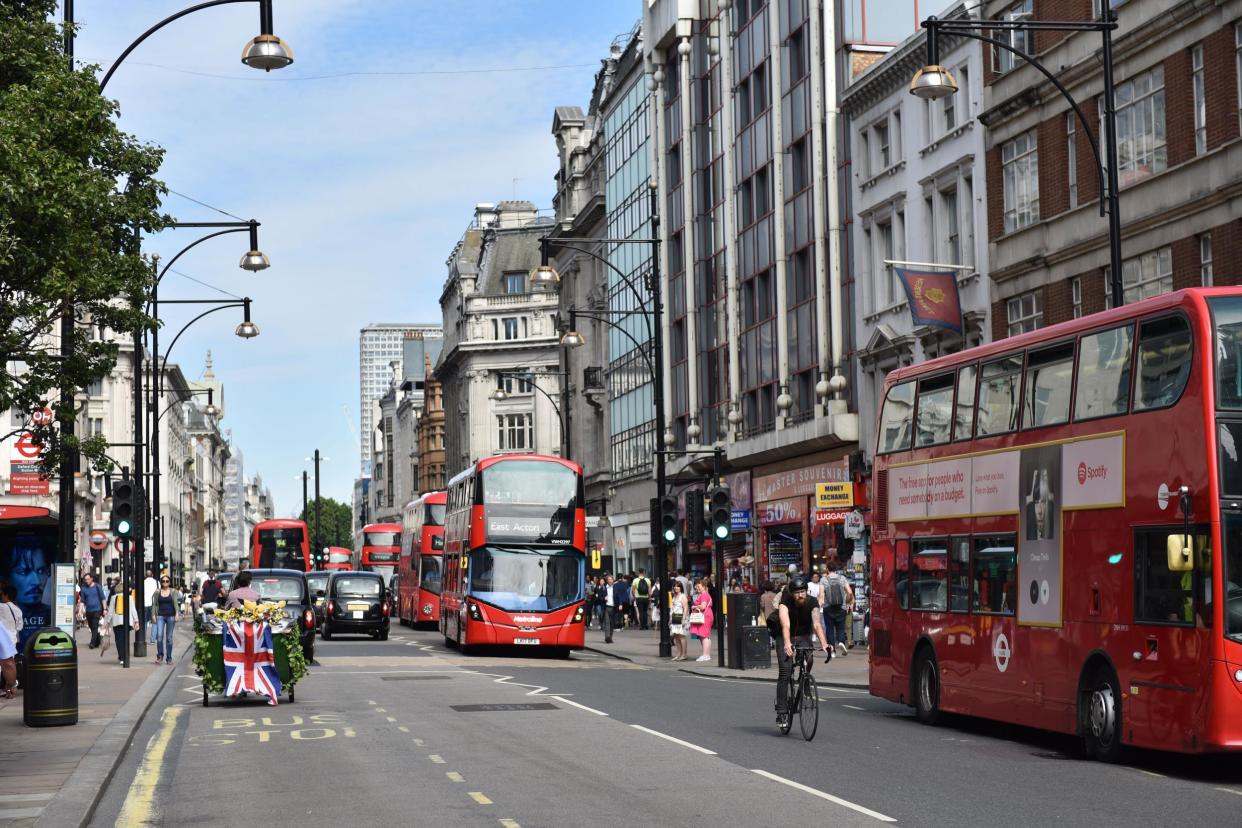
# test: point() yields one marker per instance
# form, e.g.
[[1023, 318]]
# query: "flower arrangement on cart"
[[252, 649]]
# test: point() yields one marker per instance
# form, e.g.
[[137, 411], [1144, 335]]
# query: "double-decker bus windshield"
[[435, 514], [514, 578], [281, 549], [429, 578], [381, 539], [530, 483]]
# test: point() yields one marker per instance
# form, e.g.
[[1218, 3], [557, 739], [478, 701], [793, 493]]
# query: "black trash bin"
[[743, 611], [51, 685]]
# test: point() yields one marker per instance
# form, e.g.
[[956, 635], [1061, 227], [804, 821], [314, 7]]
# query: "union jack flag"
[[249, 660]]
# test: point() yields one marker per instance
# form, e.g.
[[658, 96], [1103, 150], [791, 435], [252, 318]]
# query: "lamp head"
[[247, 329], [499, 394], [254, 261], [932, 82], [572, 339], [544, 277], [267, 52]]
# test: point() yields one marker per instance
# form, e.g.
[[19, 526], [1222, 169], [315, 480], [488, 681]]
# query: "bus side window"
[[959, 574], [1049, 378], [901, 572], [929, 579], [964, 415], [1103, 383], [994, 574], [1163, 362], [998, 396], [935, 411], [897, 418]]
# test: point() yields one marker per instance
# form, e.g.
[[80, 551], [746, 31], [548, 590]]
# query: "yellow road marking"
[[139, 806], [478, 797], [403, 728], [390, 718], [509, 823], [455, 776], [438, 759], [370, 701], [380, 710]]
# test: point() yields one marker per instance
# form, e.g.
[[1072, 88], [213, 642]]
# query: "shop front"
[[785, 512]]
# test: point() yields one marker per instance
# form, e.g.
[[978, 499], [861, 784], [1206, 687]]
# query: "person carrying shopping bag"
[[120, 606]]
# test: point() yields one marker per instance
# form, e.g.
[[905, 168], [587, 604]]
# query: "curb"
[[76, 801], [846, 685]]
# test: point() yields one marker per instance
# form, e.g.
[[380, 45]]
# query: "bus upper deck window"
[[998, 396], [964, 416], [1103, 383], [897, 418], [1227, 323], [934, 411], [1049, 377], [1164, 355]]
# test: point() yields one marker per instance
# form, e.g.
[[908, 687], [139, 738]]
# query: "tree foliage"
[[338, 522], [75, 191]]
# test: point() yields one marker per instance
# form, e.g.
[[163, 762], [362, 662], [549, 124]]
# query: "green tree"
[[74, 193], [338, 522]]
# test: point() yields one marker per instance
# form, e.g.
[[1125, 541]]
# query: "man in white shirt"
[[610, 607], [813, 593], [149, 587]]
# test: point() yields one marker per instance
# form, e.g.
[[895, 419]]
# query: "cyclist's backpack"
[[642, 587], [836, 592]]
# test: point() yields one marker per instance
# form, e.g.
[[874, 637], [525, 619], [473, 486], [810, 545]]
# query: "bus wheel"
[[1102, 718], [926, 687]]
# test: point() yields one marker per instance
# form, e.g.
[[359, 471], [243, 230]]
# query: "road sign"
[[119, 545], [42, 417], [834, 495], [99, 540], [25, 475]]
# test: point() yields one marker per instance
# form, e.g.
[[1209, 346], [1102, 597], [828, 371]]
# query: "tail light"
[[308, 619], [331, 607], [385, 609]]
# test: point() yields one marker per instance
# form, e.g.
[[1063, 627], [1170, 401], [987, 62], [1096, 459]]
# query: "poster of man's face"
[[27, 557], [1039, 559]]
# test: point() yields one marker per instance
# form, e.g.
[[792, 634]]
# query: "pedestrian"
[[167, 614], [680, 575], [701, 619], [621, 594], [120, 606], [93, 601], [11, 621], [211, 590], [642, 597], [608, 594], [8, 663], [241, 591], [149, 588], [677, 621], [837, 597]]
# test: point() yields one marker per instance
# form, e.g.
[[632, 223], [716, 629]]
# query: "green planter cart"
[[209, 659]]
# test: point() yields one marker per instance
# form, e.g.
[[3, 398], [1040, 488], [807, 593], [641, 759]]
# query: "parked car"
[[357, 602], [289, 585]]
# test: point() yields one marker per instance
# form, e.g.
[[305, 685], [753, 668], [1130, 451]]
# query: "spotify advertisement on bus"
[[1036, 484]]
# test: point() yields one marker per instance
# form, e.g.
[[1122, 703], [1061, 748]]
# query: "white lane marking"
[[380, 710], [419, 742], [674, 739], [838, 800], [371, 701], [580, 706], [20, 813], [436, 758], [854, 690], [853, 707], [1230, 790], [34, 797], [455, 776], [509, 823], [403, 728], [1153, 773], [391, 720]]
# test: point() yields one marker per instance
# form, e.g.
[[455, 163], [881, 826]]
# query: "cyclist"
[[799, 616]]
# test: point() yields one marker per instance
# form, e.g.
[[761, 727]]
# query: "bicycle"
[[804, 700]]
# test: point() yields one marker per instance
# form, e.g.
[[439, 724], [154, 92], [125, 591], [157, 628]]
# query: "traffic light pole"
[[140, 524], [657, 308]]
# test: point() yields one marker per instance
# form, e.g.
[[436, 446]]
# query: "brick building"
[[1177, 98]]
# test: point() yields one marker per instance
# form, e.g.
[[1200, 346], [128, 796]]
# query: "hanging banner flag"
[[933, 297]]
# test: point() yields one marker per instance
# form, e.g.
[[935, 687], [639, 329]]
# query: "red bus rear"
[[281, 544], [514, 554], [422, 560], [1058, 529], [380, 549]]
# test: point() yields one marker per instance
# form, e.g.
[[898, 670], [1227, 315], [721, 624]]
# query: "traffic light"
[[127, 500], [694, 516], [669, 519], [721, 505]]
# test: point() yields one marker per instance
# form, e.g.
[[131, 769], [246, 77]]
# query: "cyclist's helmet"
[[797, 583]]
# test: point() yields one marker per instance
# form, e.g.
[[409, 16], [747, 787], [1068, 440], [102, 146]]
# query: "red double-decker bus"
[[514, 554], [340, 558], [280, 544], [1058, 529], [422, 560], [379, 548]]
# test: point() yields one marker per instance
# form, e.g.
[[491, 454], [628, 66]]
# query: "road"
[[407, 732]]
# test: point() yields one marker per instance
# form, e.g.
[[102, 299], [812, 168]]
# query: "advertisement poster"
[[27, 556], [1039, 537], [66, 597]]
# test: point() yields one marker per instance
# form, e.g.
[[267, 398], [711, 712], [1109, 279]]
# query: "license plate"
[[362, 607], [358, 613], [526, 641]]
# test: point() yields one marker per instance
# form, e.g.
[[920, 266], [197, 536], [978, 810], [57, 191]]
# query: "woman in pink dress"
[[702, 632]]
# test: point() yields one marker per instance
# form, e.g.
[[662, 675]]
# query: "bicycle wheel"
[[793, 707], [808, 712]]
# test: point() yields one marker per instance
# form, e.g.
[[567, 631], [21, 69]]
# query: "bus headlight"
[[579, 613], [476, 614]]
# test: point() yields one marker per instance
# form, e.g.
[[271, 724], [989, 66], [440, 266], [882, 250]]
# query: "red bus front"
[[431, 559], [1058, 529], [381, 548], [515, 548], [281, 544], [340, 558]]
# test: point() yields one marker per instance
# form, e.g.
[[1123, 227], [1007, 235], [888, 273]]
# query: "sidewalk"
[[56, 774], [643, 647]]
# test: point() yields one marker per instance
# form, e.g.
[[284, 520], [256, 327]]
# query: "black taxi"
[[289, 585], [357, 602]]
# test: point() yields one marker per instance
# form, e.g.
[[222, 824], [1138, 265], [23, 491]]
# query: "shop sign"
[[99, 540], [798, 482], [739, 520], [834, 495], [831, 516], [21, 512], [640, 535], [786, 510], [25, 476]]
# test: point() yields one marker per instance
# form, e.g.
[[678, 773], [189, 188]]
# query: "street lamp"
[[544, 276], [934, 81], [246, 329]]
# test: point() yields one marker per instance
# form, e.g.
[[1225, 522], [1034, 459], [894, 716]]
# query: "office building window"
[[1142, 149], [1142, 277], [94, 388], [1020, 179], [1004, 60], [510, 324], [952, 232], [515, 432], [1071, 156], [1076, 296], [1025, 312], [1205, 259], [515, 282]]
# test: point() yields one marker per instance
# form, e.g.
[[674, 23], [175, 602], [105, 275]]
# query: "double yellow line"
[[140, 801]]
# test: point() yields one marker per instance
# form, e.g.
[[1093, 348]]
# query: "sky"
[[363, 161]]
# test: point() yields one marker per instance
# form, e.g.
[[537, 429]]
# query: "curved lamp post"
[[934, 81]]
